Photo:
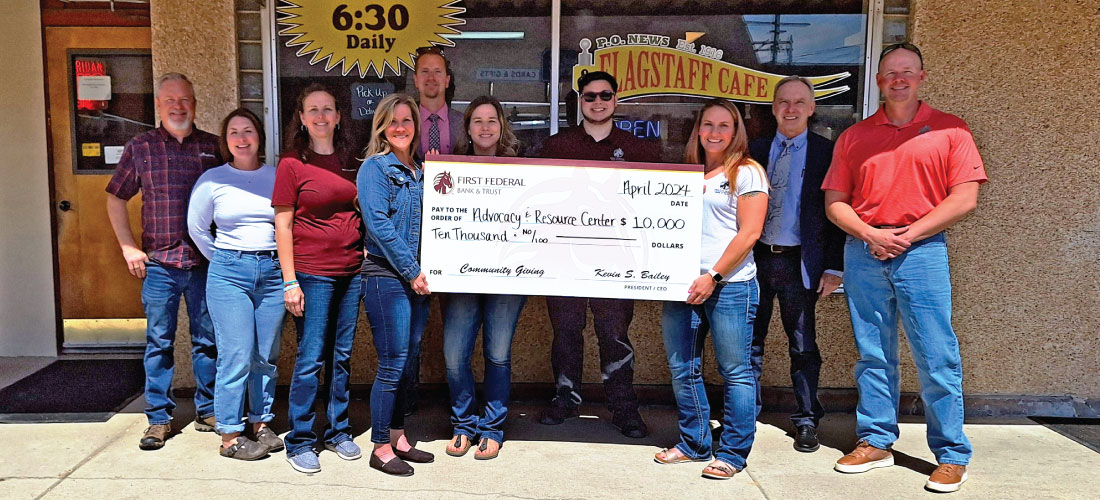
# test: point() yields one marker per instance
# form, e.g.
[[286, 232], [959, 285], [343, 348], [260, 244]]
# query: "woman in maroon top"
[[317, 231]]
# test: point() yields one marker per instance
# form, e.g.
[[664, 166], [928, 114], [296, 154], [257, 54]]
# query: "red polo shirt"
[[896, 175]]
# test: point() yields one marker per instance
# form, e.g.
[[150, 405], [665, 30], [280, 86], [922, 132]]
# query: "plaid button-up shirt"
[[165, 170]]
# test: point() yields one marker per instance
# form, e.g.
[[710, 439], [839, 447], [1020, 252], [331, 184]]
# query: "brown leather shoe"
[[154, 436], [864, 458], [205, 424], [719, 470], [946, 478]]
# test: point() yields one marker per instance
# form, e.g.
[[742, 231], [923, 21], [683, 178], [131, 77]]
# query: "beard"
[[180, 125]]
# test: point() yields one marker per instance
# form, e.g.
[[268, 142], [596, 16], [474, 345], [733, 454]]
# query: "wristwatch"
[[715, 275]]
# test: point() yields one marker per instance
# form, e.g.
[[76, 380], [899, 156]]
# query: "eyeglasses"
[[606, 95], [904, 45]]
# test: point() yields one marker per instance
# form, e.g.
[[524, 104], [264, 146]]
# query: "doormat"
[[85, 390], [1083, 430]]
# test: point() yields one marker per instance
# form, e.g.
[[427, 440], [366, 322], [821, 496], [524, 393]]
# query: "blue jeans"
[[729, 314], [916, 286], [326, 333], [463, 315], [245, 293], [160, 296], [397, 317]]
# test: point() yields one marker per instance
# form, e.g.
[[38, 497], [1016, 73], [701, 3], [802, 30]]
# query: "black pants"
[[611, 319], [780, 275]]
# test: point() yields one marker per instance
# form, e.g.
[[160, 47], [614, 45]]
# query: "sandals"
[[674, 456], [459, 445], [719, 470], [244, 449], [487, 451]]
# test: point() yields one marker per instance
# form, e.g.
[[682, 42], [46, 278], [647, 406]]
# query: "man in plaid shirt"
[[163, 164]]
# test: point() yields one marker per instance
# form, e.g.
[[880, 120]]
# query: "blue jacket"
[[391, 197]]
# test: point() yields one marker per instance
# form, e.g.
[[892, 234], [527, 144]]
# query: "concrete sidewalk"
[[584, 458]]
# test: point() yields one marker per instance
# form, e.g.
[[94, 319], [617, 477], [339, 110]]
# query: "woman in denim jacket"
[[464, 313], [395, 291]]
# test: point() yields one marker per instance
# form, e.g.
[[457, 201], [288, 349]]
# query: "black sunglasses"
[[606, 95], [430, 50], [904, 45]]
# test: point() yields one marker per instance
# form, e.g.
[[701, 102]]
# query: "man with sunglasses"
[[596, 138], [898, 180], [440, 126], [800, 255]]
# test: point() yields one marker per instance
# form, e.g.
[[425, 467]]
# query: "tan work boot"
[[864, 458], [206, 424], [946, 478], [154, 436]]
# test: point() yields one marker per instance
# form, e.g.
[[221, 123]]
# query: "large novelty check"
[[561, 227]]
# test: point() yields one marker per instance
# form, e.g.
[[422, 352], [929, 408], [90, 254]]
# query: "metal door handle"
[[65, 206]]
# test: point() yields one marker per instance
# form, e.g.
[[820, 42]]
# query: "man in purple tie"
[[440, 126]]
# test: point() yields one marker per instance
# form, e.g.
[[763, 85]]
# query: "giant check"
[[561, 227]]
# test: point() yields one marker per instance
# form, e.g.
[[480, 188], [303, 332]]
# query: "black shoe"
[[414, 455], [395, 467], [805, 440], [556, 413], [630, 424]]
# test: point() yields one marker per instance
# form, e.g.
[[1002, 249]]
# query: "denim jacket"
[[391, 196]]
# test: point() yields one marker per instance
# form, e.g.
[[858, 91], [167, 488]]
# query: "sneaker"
[[557, 413], [154, 436], [805, 440], [269, 439], [864, 458], [630, 424], [346, 450], [946, 478], [305, 461], [205, 424], [244, 449]]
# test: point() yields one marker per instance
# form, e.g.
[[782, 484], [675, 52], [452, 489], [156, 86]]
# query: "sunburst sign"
[[369, 36]]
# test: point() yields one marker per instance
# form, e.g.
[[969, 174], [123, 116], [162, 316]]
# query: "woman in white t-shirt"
[[722, 299]]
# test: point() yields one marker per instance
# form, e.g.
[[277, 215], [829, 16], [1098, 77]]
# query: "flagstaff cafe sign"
[[648, 65], [368, 37]]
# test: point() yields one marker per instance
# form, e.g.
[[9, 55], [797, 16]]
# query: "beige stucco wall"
[[1024, 75], [27, 324], [1025, 265], [199, 40]]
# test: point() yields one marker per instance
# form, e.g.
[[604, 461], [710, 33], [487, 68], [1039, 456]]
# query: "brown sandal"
[[459, 445], [719, 470], [674, 456], [485, 451]]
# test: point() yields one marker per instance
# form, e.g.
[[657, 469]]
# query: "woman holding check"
[[395, 291], [722, 299], [464, 313], [317, 228]]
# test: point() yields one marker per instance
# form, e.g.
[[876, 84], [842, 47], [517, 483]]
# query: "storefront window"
[[672, 60], [503, 50], [735, 49]]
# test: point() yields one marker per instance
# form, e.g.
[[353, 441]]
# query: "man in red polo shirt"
[[897, 181]]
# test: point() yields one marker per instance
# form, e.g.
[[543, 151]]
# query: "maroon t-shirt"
[[327, 237]]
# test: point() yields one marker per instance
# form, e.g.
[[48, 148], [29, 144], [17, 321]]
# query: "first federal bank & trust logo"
[[370, 36], [443, 183]]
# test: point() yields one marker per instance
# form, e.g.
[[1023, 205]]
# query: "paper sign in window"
[[90, 149], [112, 154], [93, 88]]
